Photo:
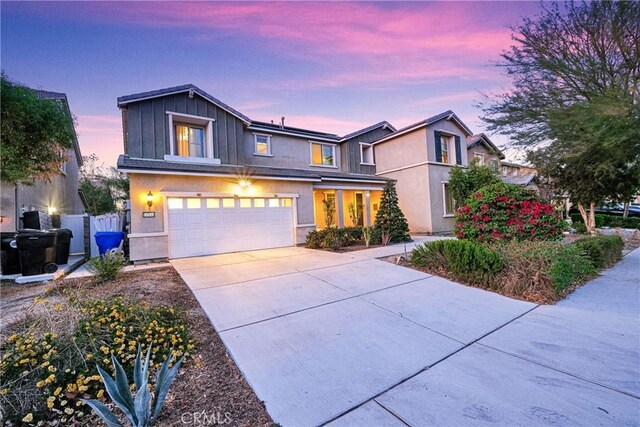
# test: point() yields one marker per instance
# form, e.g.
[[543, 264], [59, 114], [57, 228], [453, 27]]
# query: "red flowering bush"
[[507, 212]]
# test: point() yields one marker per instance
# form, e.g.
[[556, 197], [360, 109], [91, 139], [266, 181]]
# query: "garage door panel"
[[202, 226]]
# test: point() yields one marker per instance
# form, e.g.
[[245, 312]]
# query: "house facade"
[[207, 179], [420, 156], [57, 196]]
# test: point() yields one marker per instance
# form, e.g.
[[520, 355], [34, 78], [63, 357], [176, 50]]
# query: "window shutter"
[[436, 137], [458, 151]]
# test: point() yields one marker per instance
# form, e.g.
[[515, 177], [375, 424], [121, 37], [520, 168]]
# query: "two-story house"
[[420, 156], [206, 179], [58, 195]]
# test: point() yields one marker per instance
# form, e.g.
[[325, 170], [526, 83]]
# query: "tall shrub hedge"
[[506, 212], [602, 251]]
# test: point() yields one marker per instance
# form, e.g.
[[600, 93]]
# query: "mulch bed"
[[210, 381]]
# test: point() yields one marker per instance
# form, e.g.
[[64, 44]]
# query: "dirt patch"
[[210, 382]]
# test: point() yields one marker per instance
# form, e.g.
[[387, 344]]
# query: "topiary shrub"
[[462, 259], [390, 217], [602, 251], [506, 212]]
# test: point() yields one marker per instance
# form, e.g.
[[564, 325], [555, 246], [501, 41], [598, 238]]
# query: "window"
[[493, 164], [213, 203], [245, 203], [444, 148], [449, 204], [193, 204], [286, 203], [189, 140], [175, 203], [262, 145], [323, 154], [258, 203], [274, 203], [228, 203], [366, 154], [479, 157]]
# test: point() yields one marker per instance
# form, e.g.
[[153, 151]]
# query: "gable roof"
[[446, 115], [62, 98], [127, 99], [483, 139], [383, 124], [276, 128]]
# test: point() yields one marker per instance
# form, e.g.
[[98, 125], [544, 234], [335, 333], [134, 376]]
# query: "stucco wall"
[[61, 193], [287, 152], [437, 175], [141, 184], [405, 150], [413, 197]]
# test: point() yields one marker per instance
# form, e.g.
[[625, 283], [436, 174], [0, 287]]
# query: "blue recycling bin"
[[108, 240]]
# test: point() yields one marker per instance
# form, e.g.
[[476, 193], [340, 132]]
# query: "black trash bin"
[[63, 243], [37, 251], [9, 256]]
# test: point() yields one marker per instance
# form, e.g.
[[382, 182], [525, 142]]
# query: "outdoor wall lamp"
[[149, 199], [244, 183], [51, 210]]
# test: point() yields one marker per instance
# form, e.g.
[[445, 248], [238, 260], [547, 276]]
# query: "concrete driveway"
[[347, 339]]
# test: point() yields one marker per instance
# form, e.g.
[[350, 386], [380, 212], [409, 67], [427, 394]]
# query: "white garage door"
[[214, 225]]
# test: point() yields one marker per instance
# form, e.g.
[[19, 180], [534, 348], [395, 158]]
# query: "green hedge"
[[467, 260], [602, 251], [603, 220], [570, 266]]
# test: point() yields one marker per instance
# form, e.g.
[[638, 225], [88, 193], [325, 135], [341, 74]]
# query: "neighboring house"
[[218, 181], [59, 196], [525, 176], [420, 156]]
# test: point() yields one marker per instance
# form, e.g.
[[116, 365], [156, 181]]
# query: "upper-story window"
[[479, 157], [323, 154], [189, 140], [493, 164], [366, 154], [444, 148], [262, 144]]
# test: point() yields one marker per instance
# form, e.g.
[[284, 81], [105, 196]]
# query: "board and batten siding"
[[148, 127], [350, 151]]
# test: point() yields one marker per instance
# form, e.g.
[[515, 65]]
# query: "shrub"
[[47, 375], [467, 260], [333, 238], [464, 182], [505, 212], [601, 219], [580, 227], [390, 218], [602, 251], [107, 267], [538, 271]]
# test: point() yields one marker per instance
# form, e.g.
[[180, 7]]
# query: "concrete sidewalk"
[[350, 340]]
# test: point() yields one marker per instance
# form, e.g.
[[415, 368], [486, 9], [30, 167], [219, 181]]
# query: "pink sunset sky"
[[333, 67]]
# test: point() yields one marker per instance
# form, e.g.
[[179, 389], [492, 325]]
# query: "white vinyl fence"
[[75, 223]]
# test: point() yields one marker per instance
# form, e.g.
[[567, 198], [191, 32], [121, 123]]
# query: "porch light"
[[51, 210], [244, 183], [149, 199]]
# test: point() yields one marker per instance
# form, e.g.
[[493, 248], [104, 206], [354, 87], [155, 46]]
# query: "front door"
[[360, 209]]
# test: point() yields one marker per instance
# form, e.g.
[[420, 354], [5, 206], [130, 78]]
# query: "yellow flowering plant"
[[58, 371]]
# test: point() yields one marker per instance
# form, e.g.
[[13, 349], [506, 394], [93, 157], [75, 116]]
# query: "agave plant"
[[143, 409]]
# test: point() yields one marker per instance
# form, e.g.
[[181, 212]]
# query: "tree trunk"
[[588, 217], [625, 212]]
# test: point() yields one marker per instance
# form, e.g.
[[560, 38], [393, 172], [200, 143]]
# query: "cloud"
[[102, 135]]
